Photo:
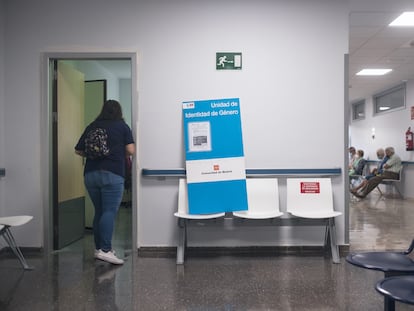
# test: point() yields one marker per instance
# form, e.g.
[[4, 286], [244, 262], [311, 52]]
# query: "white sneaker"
[[109, 257], [96, 252]]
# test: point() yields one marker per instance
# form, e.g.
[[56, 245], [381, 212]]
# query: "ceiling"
[[373, 44]]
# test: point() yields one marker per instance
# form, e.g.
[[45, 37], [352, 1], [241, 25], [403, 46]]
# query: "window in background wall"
[[358, 110], [389, 100]]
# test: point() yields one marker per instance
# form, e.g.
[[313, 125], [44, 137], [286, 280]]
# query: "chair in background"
[[397, 288], [5, 224], [397, 184], [391, 263], [183, 216], [262, 198], [313, 198]]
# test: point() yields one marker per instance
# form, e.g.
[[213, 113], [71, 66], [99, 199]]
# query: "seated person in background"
[[352, 156], [358, 164], [376, 171], [391, 170]]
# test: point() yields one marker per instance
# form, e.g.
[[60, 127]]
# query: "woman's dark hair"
[[111, 110]]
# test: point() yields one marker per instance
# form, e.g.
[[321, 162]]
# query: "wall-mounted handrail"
[[402, 162], [276, 172]]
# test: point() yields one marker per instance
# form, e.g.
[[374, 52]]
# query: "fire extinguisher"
[[409, 144]]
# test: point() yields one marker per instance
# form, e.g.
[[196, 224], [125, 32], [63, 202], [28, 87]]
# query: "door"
[[68, 124], [66, 218], [95, 96]]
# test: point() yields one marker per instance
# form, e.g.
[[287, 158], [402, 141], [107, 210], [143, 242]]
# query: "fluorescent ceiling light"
[[383, 108], [405, 19], [373, 72]]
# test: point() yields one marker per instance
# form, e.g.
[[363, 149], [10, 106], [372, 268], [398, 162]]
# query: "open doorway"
[[77, 86]]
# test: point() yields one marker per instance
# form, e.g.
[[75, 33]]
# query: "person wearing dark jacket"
[[104, 176]]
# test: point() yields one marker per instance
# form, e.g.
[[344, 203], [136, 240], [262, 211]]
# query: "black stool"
[[396, 288], [391, 263]]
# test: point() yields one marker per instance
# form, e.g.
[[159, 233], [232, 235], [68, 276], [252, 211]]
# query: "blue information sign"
[[215, 167]]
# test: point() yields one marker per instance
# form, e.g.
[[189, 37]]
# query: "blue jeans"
[[106, 190]]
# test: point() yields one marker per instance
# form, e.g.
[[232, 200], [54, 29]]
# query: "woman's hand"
[[130, 149]]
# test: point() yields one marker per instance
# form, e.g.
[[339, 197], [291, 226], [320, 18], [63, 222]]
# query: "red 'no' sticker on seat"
[[309, 187]]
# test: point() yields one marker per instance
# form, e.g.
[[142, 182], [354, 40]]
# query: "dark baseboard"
[[167, 252], [171, 252], [157, 252], [27, 251]]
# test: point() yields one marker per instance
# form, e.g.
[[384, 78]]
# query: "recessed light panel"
[[405, 19], [373, 72]]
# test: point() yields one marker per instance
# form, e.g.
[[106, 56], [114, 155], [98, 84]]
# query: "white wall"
[[286, 110], [292, 117], [390, 130]]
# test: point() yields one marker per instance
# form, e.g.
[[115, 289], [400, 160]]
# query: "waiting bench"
[[309, 202]]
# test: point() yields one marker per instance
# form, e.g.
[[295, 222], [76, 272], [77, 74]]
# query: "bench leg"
[[334, 245], [182, 240], [327, 238], [379, 190], [8, 237], [398, 190], [389, 304]]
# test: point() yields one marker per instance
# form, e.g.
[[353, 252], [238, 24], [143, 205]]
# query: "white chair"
[[183, 216], [312, 198], [5, 224], [183, 204], [262, 198]]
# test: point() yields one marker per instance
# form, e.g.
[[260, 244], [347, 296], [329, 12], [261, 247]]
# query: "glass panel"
[[390, 99], [358, 110]]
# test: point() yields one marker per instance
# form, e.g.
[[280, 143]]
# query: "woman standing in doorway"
[[104, 174]]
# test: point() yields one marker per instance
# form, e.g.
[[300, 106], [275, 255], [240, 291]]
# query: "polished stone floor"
[[71, 279]]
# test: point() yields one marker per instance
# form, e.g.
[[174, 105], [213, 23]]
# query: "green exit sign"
[[228, 61]]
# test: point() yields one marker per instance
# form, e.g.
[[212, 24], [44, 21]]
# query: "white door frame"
[[46, 135]]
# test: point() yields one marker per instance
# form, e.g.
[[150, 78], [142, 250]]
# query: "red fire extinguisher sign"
[[409, 144]]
